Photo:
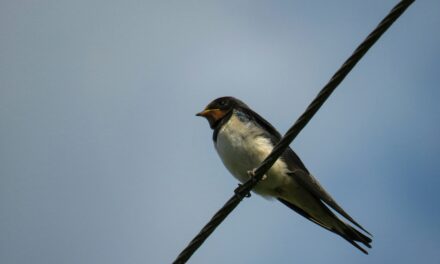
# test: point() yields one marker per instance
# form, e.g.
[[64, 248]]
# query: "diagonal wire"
[[244, 190]]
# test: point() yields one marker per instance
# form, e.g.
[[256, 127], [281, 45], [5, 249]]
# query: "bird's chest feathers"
[[242, 146]]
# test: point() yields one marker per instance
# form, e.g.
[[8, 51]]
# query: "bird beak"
[[204, 113], [210, 112], [212, 115]]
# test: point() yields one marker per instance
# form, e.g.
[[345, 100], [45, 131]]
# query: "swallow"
[[243, 139]]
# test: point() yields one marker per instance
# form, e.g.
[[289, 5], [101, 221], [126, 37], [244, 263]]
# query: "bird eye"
[[222, 102]]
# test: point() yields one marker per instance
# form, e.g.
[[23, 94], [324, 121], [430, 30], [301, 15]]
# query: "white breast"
[[242, 147]]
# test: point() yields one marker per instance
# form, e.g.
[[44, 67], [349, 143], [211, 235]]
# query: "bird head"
[[218, 109]]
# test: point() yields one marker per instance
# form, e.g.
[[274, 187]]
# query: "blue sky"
[[103, 161]]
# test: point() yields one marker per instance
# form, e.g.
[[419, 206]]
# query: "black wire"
[[244, 190]]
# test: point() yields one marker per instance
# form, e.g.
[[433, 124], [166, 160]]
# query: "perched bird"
[[243, 139]]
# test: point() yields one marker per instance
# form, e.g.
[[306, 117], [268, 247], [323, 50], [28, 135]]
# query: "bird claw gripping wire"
[[251, 174], [238, 191]]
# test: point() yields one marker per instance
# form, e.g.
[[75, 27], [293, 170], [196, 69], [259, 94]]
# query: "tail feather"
[[356, 245], [341, 228], [352, 234]]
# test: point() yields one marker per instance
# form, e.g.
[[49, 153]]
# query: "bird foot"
[[251, 173]]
